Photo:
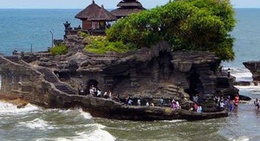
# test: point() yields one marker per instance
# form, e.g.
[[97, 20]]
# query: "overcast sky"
[[109, 4]]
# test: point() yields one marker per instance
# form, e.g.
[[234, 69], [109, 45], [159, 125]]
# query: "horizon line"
[[45, 8]]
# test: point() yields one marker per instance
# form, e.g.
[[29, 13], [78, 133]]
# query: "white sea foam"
[[174, 121], [255, 90], [241, 74], [97, 135], [242, 138], [37, 123], [8, 108], [85, 114]]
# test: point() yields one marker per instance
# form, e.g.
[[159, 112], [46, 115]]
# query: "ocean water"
[[25, 29]]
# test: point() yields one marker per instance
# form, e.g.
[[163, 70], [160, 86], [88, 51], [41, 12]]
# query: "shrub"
[[59, 50], [100, 45], [83, 34]]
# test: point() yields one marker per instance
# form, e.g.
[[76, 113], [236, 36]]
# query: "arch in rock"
[[91, 82]]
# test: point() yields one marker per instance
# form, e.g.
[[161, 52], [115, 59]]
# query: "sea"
[[33, 30]]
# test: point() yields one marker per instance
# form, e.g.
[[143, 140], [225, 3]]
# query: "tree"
[[199, 25]]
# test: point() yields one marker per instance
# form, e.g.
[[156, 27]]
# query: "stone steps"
[[52, 78], [14, 59], [171, 89], [65, 88], [48, 75]]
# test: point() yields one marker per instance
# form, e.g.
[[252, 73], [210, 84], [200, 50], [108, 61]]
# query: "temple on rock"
[[96, 19], [145, 75]]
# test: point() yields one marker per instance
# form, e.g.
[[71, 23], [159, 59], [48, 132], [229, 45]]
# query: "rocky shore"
[[148, 74], [254, 68], [107, 108]]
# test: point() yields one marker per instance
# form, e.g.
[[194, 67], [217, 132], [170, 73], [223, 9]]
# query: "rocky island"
[[144, 75], [254, 68]]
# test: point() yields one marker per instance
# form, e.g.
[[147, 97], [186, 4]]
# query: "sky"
[[108, 4]]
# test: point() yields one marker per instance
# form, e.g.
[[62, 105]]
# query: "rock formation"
[[147, 74], [254, 68]]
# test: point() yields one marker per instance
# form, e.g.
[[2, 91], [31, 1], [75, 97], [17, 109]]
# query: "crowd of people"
[[222, 103], [130, 101], [196, 107], [144, 102], [98, 93], [226, 103], [232, 104]]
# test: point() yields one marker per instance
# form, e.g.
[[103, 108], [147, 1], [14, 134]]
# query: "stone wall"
[[19, 80]]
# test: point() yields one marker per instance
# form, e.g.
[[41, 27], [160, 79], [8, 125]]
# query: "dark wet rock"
[[242, 83], [254, 68], [147, 74]]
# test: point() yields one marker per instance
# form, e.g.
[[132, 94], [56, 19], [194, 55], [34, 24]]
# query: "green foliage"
[[200, 25], [59, 50], [100, 45], [83, 34]]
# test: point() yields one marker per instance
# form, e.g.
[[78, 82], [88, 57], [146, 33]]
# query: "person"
[[195, 106], [221, 105], [195, 98], [117, 99], [147, 104], [161, 101], [226, 103], [98, 93], [178, 105], [236, 100], [130, 101], [199, 109], [173, 104], [107, 94], [228, 72], [257, 103], [139, 102], [231, 105], [92, 90]]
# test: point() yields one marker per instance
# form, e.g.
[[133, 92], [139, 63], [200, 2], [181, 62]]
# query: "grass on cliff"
[[59, 50], [100, 45]]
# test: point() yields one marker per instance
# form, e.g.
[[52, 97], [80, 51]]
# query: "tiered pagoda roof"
[[127, 7], [93, 12]]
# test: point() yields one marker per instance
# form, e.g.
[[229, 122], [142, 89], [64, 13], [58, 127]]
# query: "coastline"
[[110, 109]]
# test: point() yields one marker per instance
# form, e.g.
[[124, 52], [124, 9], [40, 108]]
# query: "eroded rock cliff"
[[147, 74]]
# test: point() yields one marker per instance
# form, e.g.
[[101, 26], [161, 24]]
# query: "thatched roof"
[[120, 12], [93, 12], [127, 7], [135, 4], [103, 15]]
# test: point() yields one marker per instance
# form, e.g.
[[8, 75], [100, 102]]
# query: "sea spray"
[[241, 74], [49, 124]]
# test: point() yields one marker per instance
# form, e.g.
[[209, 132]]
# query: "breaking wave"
[[50, 124]]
